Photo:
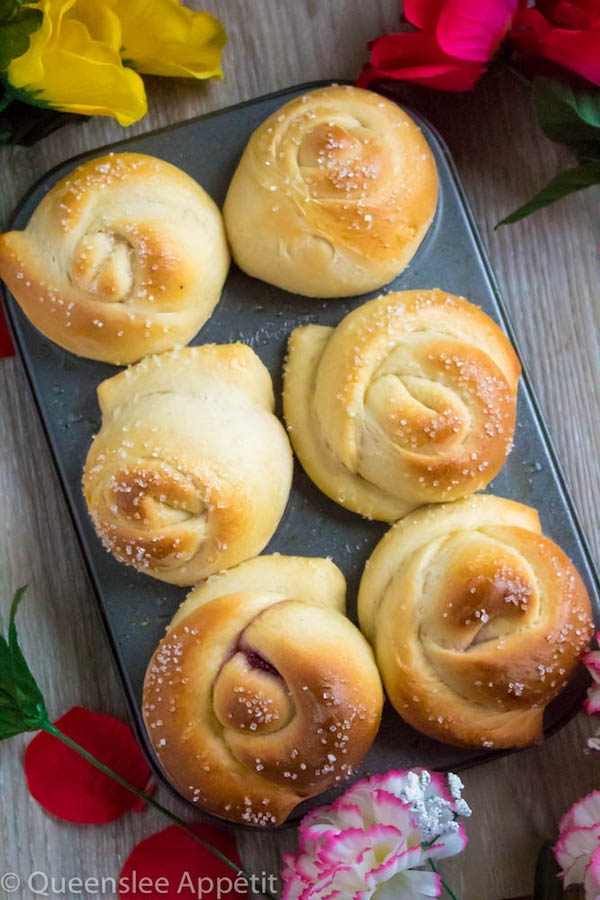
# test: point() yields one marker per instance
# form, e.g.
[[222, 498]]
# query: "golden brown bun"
[[191, 471], [477, 620], [124, 257], [333, 195], [410, 400], [262, 693]]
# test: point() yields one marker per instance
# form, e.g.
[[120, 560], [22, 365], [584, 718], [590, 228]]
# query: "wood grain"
[[548, 269]]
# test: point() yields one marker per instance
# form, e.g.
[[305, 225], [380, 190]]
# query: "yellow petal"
[[73, 63], [161, 37]]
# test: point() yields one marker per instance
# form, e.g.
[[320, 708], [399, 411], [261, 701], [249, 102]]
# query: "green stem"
[[48, 727], [444, 885]]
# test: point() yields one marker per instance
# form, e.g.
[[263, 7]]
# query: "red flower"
[[178, 866], [456, 40], [565, 32], [70, 787]]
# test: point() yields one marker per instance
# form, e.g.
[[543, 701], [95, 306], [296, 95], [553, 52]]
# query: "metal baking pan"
[[135, 608]]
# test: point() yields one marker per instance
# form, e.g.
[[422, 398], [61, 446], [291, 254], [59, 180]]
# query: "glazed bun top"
[[333, 194], [125, 257]]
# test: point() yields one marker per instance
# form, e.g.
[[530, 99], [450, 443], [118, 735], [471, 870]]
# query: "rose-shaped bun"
[[262, 693], [191, 471], [477, 620], [124, 257], [333, 194], [410, 400]]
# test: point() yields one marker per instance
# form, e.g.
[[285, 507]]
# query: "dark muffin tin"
[[135, 608]]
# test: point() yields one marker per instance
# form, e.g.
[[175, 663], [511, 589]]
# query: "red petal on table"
[[473, 29], [415, 56], [6, 344], [424, 13], [70, 787], [172, 864], [576, 50]]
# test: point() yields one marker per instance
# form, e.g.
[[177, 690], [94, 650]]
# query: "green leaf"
[[5, 97], [569, 115], [582, 176], [28, 694], [22, 706], [17, 21], [5, 668], [10, 726], [26, 117]]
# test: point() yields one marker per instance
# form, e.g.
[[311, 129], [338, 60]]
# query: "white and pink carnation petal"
[[438, 787], [411, 885], [318, 825], [389, 809], [311, 835], [307, 868], [297, 874], [359, 797], [395, 781], [448, 844], [592, 701], [348, 881], [319, 889], [573, 850], [585, 813], [435, 784], [591, 881], [342, 813], [383, 872], [289, 865], [293, 888], [315, 818], [349, 844], [383, 841], [322, 819], [312, 840], [591, 660], [404, 783], [351, 812]]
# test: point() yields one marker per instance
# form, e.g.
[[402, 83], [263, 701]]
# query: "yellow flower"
[[161, 37], [73, 63]]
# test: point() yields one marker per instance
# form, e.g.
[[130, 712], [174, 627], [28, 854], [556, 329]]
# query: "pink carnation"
[[377, 833], [578, 848], [592, 661]]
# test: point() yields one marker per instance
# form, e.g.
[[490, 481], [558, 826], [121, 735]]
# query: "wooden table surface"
[[548, 270]]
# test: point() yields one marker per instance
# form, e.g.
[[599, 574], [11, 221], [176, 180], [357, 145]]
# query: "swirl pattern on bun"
[[477, 620], [333, 194], [191, 471], [262, 693], [410, 400], [124, 257]]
